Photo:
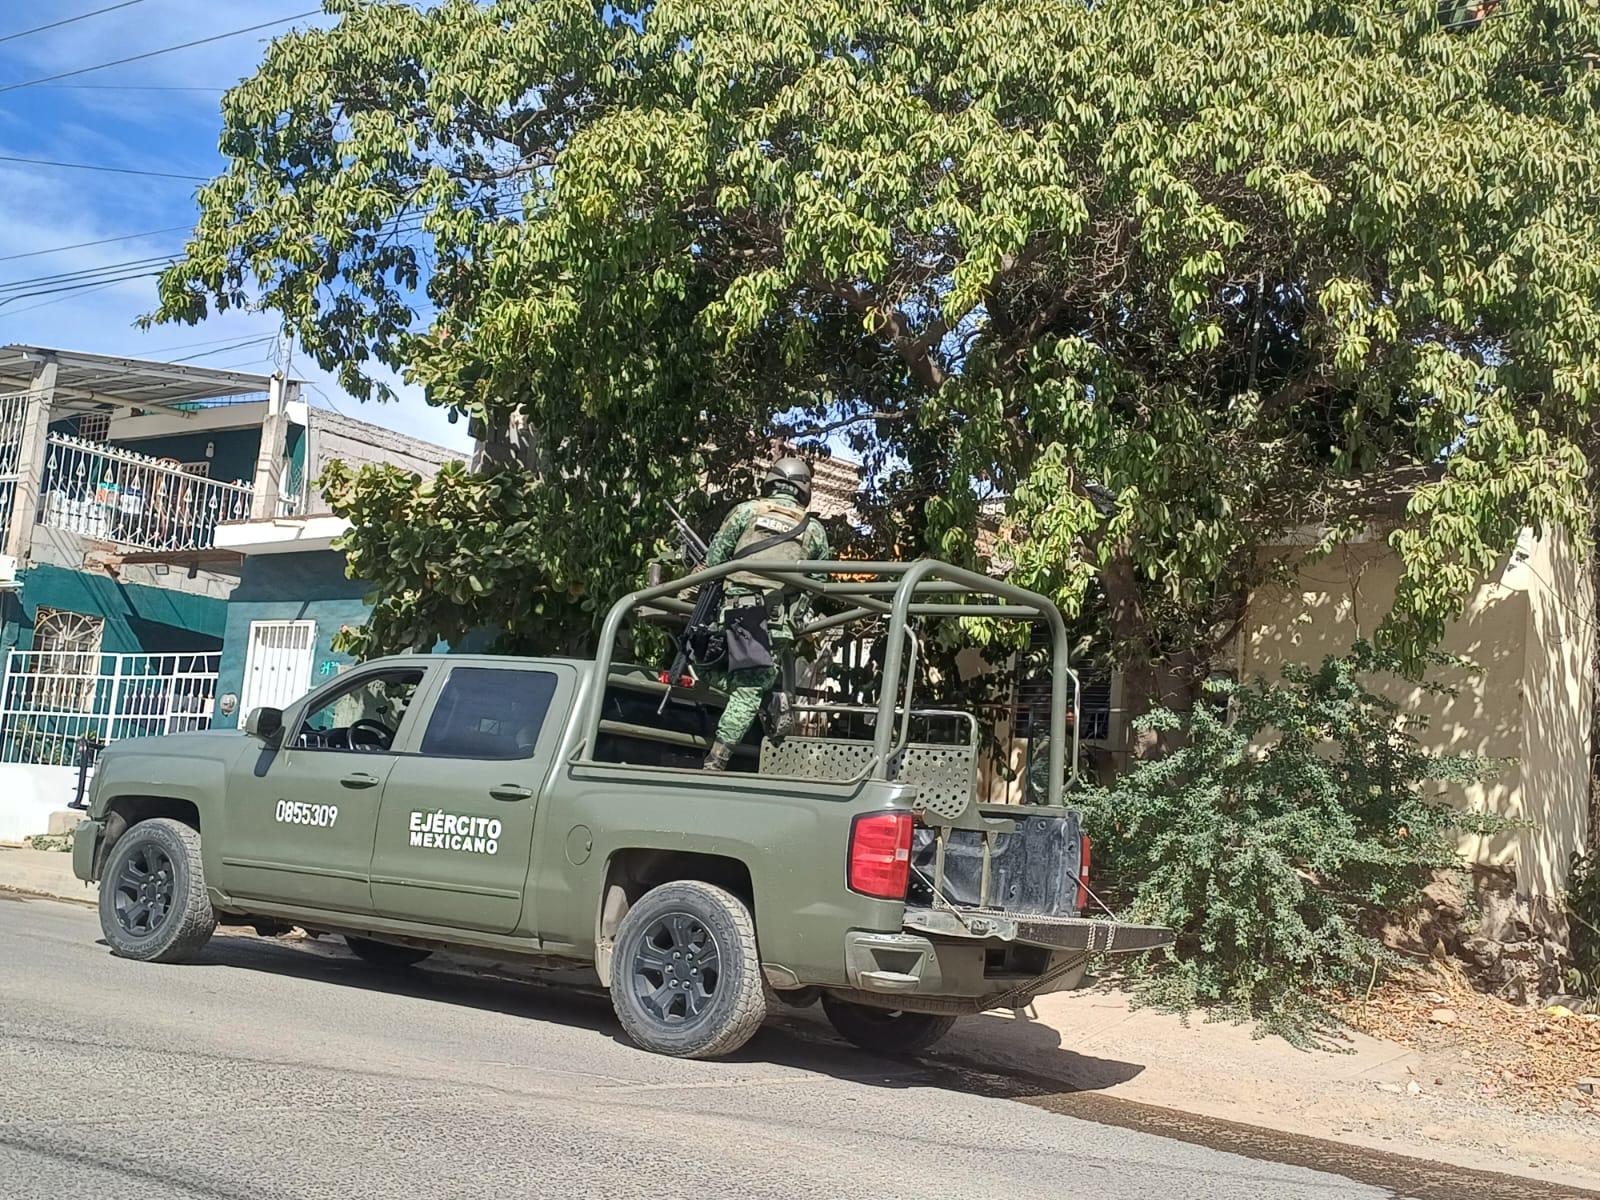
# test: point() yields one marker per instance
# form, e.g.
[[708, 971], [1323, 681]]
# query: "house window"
[[94, 427], [67, 654]]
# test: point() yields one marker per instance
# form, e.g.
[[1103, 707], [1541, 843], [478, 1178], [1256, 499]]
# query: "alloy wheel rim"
[[677, 968], [144, 890]]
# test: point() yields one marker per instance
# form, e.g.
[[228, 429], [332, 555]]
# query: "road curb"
[[15, 889]]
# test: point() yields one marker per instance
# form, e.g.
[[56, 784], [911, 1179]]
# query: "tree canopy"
[[1160, 280]]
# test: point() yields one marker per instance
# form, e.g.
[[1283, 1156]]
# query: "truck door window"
[[363, 716], [488, 712]]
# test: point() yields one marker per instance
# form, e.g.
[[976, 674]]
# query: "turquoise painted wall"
[[137, 617], [233, 450], [290, 587]]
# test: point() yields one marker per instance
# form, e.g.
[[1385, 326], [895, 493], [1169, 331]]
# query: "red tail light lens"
[[1083, 875], [880, 855]]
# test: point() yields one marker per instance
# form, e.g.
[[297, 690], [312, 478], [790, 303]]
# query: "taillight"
[[1083, 873], [880, 855]]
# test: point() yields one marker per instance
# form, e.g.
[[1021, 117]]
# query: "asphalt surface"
[[285, 1069]]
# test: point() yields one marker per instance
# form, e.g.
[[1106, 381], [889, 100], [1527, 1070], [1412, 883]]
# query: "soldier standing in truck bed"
[[761, 617]]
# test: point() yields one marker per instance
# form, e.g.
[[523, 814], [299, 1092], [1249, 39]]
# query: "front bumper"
[[85, 848]]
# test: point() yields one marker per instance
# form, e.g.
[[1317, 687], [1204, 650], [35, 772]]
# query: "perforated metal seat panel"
[[944, 775], [815, 758]]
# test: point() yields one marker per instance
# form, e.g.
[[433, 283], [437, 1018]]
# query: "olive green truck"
[[555, 809]]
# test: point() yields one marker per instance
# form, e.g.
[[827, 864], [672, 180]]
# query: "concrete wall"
[[1557, 708], [289, 587], [359, 443], [29, 794], [1528, 702]]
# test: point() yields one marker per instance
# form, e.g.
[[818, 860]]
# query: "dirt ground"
[[1528, 1059]]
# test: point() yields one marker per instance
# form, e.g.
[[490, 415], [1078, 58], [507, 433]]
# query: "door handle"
[[359, 780], [510, 791]]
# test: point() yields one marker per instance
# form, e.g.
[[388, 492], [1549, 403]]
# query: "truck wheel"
[[153, 901], [686, 976], [385, 954], [885, 1030]]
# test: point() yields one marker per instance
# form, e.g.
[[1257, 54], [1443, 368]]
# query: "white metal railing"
[[51, 699], [132, 499], [13, 412]]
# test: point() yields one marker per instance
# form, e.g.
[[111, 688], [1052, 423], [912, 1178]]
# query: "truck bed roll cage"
[[865, 591]]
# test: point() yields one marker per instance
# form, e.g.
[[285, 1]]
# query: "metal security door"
[[277, 664]]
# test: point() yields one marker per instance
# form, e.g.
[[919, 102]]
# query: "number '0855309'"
[[293, 812]]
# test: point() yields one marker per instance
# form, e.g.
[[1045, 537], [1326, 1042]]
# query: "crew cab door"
[[455, 835], [301, 817]]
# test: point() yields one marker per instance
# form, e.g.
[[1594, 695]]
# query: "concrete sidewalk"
[[1376, 1094], [43, 873]]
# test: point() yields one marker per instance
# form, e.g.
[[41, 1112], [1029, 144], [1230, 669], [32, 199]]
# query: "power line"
[[50, 162], [70, 20], [96, 285], [17, 312], [232, 337], [255, 341], [217, 37], [126, 237], [134, 87], [65, 276]]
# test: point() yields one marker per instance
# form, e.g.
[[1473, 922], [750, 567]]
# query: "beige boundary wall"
[[1530, 630]]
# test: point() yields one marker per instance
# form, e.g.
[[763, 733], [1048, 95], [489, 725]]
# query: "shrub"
[[1583, 920], [1270, 836]]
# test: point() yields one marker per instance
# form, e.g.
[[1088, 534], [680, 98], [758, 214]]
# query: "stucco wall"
[[359, 443], [1557, 706], [137, 617], [290, 587], [1527, 701]]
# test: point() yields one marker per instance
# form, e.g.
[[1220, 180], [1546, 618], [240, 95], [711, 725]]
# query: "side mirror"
[[266, 724]]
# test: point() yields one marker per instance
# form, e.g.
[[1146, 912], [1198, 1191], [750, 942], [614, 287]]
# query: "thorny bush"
[[1290, 813]]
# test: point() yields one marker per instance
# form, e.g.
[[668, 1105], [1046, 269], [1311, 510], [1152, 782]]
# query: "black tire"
[[667, 997], [153, 901], [385, 954], [885, 1030]]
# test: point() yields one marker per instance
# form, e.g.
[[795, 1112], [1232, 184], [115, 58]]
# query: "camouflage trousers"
[[746, 690]]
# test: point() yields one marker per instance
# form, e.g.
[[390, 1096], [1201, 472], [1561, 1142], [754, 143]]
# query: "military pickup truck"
[[555, 809]]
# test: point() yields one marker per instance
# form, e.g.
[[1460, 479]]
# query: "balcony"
[[133, 500], [144, 457]]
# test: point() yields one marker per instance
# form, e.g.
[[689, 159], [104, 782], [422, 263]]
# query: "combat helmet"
[[792, 472]]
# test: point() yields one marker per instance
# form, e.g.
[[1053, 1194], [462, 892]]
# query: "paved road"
[[278, 1069]]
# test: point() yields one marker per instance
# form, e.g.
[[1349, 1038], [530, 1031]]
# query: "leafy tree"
[[1268, 840], [1161, 280]]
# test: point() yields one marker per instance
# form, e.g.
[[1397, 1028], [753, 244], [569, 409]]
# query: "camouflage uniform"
[[746, 689]]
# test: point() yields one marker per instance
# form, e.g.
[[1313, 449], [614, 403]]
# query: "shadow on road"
[[800, 1039], [1060, 1080]]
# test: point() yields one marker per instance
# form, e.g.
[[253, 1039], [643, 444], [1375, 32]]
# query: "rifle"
[[707, 609], [694, 546]]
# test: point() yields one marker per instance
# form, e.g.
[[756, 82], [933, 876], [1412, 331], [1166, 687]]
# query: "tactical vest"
[[772, 516]]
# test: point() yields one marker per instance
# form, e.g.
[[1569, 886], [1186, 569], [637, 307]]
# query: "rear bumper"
[[1058, 933], [962, 961]]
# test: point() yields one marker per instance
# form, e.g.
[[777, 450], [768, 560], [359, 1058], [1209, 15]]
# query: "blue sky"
[[156, 124]]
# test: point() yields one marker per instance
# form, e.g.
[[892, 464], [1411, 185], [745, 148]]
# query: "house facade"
[[117, 478]]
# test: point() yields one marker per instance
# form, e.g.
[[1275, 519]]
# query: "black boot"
[[777, 716], [720, 756]]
